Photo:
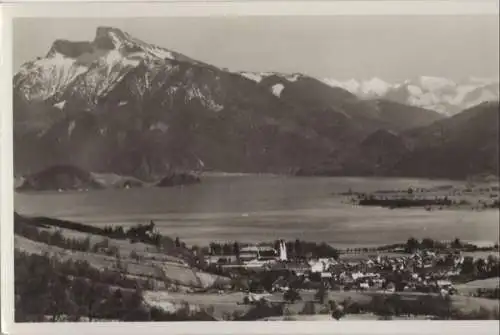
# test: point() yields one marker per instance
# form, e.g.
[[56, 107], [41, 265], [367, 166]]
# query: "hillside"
[[89, 267], [458, 147], [461, 146], [374, 155], [120, 105], [400, 117]]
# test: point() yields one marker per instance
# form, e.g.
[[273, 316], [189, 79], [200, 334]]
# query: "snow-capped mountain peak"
[[375, 86], [430, 83], [108, 37], [259, 76], [366, 88], [436, 93], [106, 59]]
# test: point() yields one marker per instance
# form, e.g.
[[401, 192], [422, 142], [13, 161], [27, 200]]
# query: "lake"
[[253, 208]]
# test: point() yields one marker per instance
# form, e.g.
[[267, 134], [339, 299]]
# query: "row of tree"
[[37, 229], [54, 238], [481, 268], [440, 307], [386, 307], [414, 244]]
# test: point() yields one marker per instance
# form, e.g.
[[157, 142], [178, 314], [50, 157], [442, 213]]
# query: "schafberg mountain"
[[120, 105], [439, 94]]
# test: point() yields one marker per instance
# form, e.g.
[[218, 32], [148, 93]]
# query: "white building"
[[264, 254], [317, 266], [282, 254]]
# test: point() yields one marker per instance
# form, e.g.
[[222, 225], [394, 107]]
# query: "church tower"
[[283, 256]]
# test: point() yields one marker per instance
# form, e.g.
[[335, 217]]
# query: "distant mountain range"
[[439, 94], [119, 105]]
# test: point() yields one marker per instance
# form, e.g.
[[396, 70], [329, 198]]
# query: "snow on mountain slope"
[[255, 76], [277, 89], [370, 88], [43, 78], [259, 76], [89, 67], [440, 94]]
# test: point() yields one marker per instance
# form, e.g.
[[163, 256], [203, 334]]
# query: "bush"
[[321, 295], [292, 296], [262, 310], [236, 315], [308, 309], [325, 309], [381, 306], [352, 307], [337, 313]]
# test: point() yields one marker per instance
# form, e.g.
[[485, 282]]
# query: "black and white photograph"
[[255, 168]]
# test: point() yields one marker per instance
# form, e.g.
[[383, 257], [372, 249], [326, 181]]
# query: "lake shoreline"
[[253, 207]]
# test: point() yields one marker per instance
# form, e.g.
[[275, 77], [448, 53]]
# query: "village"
[[270, 270]]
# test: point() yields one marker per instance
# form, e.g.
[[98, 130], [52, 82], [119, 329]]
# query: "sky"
[[392, 48]]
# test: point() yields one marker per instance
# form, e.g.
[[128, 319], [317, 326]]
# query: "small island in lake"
[[60, 178], [476, 197]]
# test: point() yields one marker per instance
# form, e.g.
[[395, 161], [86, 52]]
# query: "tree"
[[480, 265], [236, 250], [321, 294], [382, 307], [468, 265], [80, 295], [292, 295], [94, 295], [397, 303], [456, 244], [262, 310], [240, 284], [133, 305], [412, 244], [114, 305], [337, 310], [227, 249], [428, 243], [212, 248], [59, 303], [309, 308], [298, 248], [177, 242]]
